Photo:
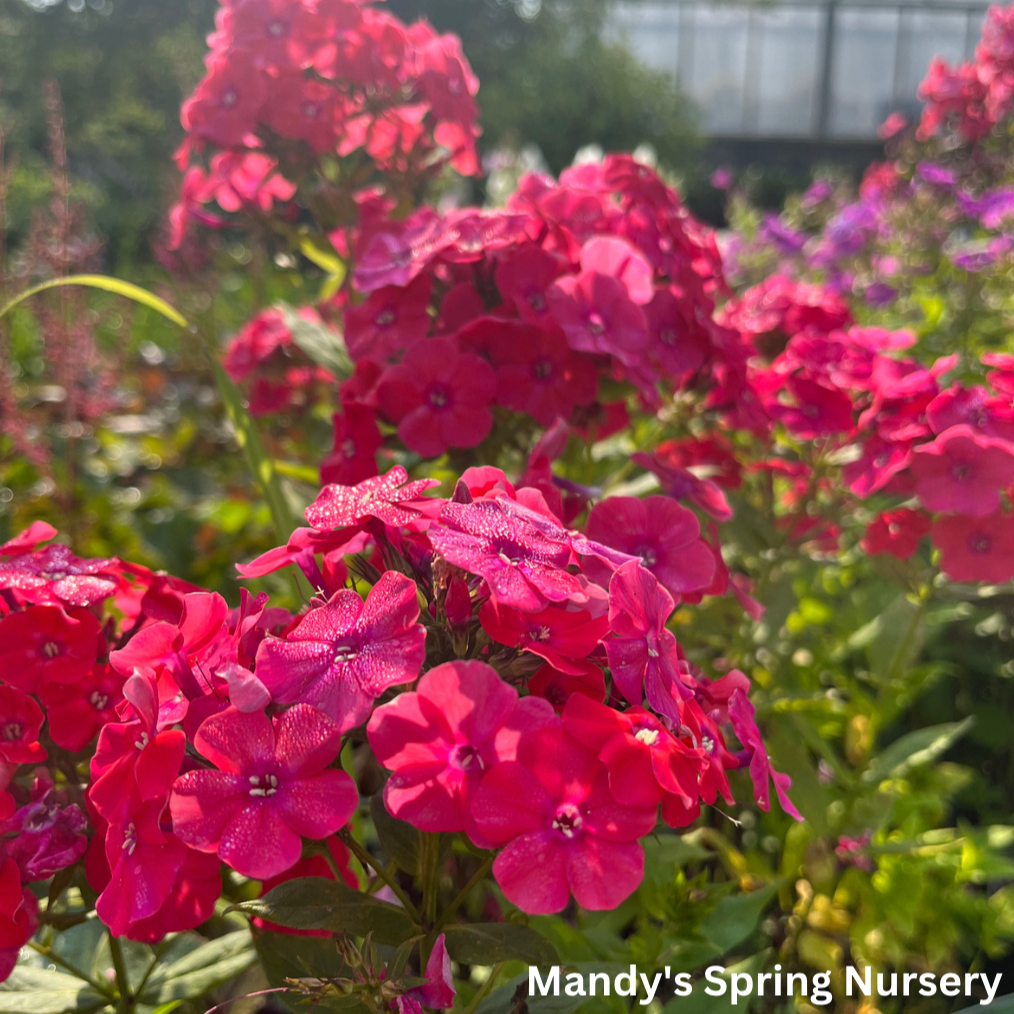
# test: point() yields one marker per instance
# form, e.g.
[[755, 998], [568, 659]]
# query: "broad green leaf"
[[398, 839], [500, 1000], [488, 943], [40, 991], [114, 285], [915, 749], [202, 969], [318, 903], [735, 917], [898, 636], [283, 956], [261, 466], [321, 343]]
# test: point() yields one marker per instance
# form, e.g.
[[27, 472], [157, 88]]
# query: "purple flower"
[[935, 174], [980, 254], [818, 192], [784, 237], [49, 838], [880, 294]]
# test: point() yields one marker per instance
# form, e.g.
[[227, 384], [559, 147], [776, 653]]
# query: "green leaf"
[[488, 943], [261, 466], [318, 903], [898, 635], [201, 970], [40, 991], [914, 750], [283, 956], [398, 839], [735, 917], [320, 342], [115, 285]]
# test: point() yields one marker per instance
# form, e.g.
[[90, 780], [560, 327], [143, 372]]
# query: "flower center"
[[230, 98], [51, 649], [542, 370], [568, 820], [130, 840], [311, 110], [667, 336], [438, 397], [538, 633], [263, 786], [961, 471], [385, 318], [276, 29], [980, 542], [708, 743], [648, 556], [649, 737], [142, 742], [98, 700], [537, 302], [12, 732], [348, 448], [466, 758], [595, 323], [345, 653]]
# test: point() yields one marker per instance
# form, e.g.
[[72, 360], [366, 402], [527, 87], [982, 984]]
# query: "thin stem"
[[480, 874], [484, 989], [126, 1002], [48, 952], [369, 863]]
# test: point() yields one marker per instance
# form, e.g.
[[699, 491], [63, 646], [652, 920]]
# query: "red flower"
[[357, 439], [562, 829], [44, 644], [645, 761], [661, 533], [439, 397], [20, 721], [976, 549], [741, 713], [962, 472], [347, 652], [558, 687], [77, 713], [523, 277], [303, 110], [897, 533], [562, 637], [54, 575], [227, 103], [18, 919], [439, 740], [273, 787]]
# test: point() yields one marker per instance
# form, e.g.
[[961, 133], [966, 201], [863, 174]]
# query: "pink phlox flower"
[[643, 655], [356, 441], [522, 278], [438, 397], [644, 760], [437, 992], [563, 831], [962, 472], [616, 258], [976, 548], [273, 787], [741, 713], [28, 540], [389, 321], [816, 410], [508, 546], [681, 483], [345, 653], [440, 739], [987, 414], [563, 637], [76, 713], [54, 575], [389, 498], [664, 536], [598, 316]]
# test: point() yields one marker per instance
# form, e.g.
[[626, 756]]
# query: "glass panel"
[[784, 94], [717, 72], [650, 30], [925, 35], [862, 75]]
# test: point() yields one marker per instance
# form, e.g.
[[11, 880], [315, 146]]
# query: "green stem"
[[484, 989], [126, 1001], [369, 863], [480, 874], [48, 952]]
